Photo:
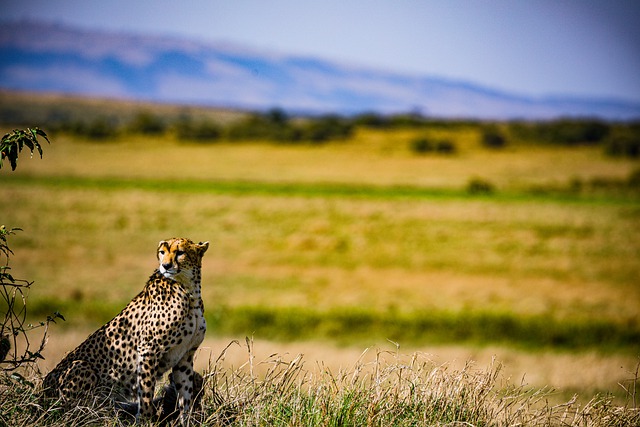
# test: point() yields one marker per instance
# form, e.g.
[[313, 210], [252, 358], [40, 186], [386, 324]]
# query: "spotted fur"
[[158, 331]]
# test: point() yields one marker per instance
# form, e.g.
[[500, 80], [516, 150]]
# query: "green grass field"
[[352, 243]]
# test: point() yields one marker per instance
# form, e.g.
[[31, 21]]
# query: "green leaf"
[[42, 134], [35, 132], [29, 143], [39, 149]]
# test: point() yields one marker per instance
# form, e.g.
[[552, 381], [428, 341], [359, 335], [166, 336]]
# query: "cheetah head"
[[180, 259]]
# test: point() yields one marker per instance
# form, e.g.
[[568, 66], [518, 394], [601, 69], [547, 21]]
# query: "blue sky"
[[531, 47]]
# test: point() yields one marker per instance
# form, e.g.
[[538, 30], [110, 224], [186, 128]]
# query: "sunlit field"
[[330, 249]]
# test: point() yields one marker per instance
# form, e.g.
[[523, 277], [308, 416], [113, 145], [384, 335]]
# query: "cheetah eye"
[[179, 253], [161, 251]]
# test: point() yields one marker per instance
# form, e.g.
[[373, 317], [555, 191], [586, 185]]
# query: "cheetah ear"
[[202, 247], [162, 242]]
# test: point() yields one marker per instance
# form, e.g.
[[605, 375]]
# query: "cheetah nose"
[[166, 266]]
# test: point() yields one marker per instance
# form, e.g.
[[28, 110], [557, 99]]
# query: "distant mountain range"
[[37, 56]]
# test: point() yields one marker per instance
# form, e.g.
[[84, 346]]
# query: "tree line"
[[618, 138]]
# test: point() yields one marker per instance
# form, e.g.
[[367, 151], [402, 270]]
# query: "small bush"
[[97, 129], [207, 131], [564, 131], [421, 146], [325, 128], [634, 179], [408, 120], [16, 349], [445, 147], [271, 126], [371, 120], [624, 145], [493, 138], [480, 186], [203, 131], [277, 117], [424, 145], [147, 123], [100, 128]]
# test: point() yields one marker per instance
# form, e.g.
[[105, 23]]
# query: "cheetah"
[[158, 331]]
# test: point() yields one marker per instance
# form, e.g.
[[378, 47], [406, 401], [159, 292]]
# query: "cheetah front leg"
[[182, 378], [146, 383]]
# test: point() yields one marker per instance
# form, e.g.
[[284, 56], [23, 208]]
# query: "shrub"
[[624, 145], [634, 179], [564, 131], [100, 128], [421, 146], [277, 117], [480, 186], [206, 131], [445, 147], [203, 131], [408, 120], [147, 123], [371, 120], [493, 138], [272, 126], [327, 128], [424, 145], [15, 346]]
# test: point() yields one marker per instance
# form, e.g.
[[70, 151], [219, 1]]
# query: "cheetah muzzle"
[[158, 331]]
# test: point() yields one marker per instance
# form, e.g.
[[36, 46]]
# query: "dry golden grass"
[[377, 388], [372, 157], [564, 373]]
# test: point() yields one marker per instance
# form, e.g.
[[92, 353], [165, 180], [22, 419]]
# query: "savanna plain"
[[516, 268]]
